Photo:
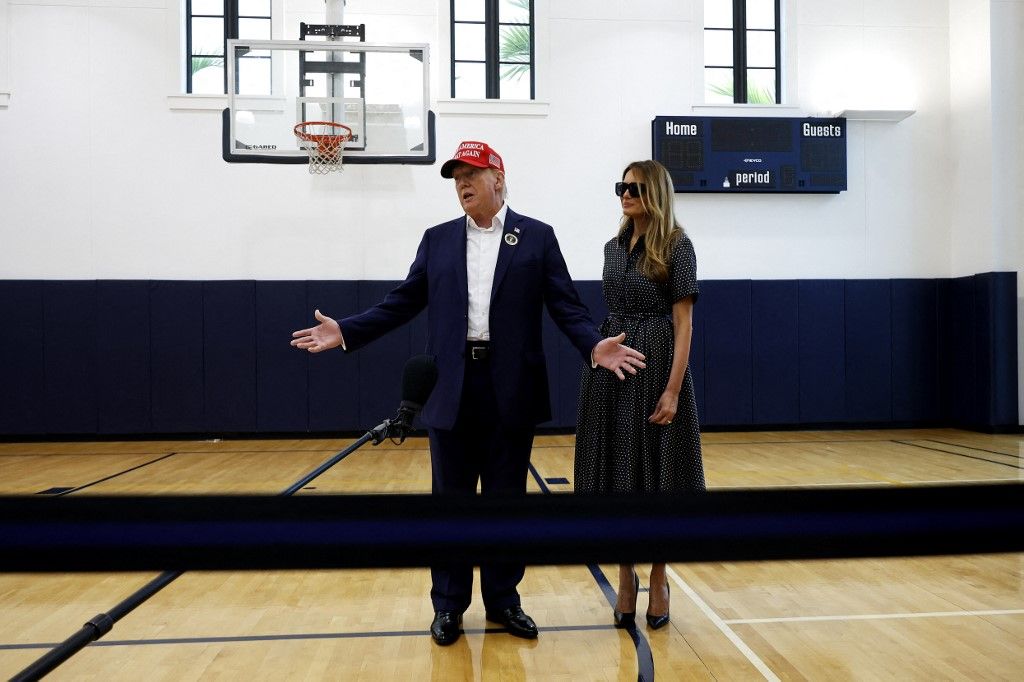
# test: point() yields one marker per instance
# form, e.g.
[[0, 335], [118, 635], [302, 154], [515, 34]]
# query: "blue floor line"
[[644, 655], [287, 637]]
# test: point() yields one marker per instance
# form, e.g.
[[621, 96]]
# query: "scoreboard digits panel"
[[731, 154]]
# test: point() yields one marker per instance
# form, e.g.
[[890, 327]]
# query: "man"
[[484, 278]]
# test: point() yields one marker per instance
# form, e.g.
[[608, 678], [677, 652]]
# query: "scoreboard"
[[742, 155]]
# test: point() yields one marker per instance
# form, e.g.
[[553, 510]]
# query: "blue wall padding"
[[70, 360], [728, 354], [22, 370], [822, 351], [775, 314], [123, 357], [565, 382], [153, 357], [333, 375], [177, 366], [380, 364], [965, 389], [944, 350], [229, 356], [868, 342], [915, 351], [996, 298], [282, 388]]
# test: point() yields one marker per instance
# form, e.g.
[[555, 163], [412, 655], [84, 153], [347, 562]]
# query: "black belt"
[[478, 350]]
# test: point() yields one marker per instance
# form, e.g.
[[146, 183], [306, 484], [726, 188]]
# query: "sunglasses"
[[635, 189]]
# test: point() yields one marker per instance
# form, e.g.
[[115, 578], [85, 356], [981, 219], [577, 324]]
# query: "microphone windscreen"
[[418, 379]]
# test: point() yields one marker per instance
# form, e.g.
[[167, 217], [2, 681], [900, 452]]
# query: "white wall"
[[4, 56], [987, 133], [131, 188]]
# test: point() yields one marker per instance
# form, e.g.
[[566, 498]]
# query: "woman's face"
[[631, 205]]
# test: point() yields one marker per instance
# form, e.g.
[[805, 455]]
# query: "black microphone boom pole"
[[418, 379]]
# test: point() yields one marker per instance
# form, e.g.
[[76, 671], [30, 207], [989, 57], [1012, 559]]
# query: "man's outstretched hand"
[[324, 336], [613, 356]]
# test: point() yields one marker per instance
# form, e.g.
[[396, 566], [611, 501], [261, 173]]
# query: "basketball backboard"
[[379, 90]]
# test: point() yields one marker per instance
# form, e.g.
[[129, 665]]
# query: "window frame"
[[231, 19], [492, 53], [739, 65]]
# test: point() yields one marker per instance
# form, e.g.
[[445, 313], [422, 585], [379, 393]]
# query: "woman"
[[641, 435]]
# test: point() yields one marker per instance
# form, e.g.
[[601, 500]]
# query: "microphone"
[[418, 379]]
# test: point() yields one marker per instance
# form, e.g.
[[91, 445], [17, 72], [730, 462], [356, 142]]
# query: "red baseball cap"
[[477, 154]]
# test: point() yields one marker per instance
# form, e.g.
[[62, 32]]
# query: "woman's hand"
[[665, 412]]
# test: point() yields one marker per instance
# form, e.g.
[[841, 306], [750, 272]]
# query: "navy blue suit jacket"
[[530, 273]]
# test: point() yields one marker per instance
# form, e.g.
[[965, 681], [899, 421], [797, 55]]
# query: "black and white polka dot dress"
[[617, 449]]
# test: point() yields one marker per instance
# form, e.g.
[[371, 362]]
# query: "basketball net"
[[325, 143]]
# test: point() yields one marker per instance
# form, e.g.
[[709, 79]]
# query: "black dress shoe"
[[515, 621], [658, 622], [446, 628], [627, 619]]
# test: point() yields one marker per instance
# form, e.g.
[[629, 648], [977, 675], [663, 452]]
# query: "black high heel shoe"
[[628, 620], [658, 622]]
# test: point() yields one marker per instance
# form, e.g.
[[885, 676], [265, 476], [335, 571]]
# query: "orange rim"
[[324, 139]]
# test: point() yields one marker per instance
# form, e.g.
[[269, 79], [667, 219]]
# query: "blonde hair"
[[662, 228]]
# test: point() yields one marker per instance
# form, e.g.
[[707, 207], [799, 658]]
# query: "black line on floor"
[[793, 442], [971, 447], [227, 639], [644, 656], [958, 454], [120, 473]]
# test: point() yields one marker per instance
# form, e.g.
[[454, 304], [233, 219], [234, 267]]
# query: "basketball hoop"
[[325, 142]]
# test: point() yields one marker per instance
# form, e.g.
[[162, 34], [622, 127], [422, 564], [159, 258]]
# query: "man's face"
[[478, 189]]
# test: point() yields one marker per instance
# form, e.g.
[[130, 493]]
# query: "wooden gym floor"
[[928, 618]]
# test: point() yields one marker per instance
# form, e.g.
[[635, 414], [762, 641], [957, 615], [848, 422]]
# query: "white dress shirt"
[[482, 244]]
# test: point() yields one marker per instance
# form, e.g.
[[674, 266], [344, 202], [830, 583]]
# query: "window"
[[492, 49], [742, 51], [208, 24]]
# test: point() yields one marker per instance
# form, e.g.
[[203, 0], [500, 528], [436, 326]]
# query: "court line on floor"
[[644, 655], [706, 443], [875, 616], [120, 473], [227, 639], [864, 484], [723, 626], [958, 454], [971, 447]]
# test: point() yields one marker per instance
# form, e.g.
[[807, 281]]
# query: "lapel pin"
[[516, 230], [511, 239]]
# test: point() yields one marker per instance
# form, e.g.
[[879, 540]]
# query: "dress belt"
[[638, 316]]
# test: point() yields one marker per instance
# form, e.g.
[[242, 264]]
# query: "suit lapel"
[[509, 246], [457, 245]]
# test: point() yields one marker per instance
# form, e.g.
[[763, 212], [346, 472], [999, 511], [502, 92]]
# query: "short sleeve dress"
[[617, 449]]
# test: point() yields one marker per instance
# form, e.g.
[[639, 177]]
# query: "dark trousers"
[[480, 449]]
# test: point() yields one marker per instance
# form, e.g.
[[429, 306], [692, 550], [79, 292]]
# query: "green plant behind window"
[[755, 95], [515, 46], [200, 63]]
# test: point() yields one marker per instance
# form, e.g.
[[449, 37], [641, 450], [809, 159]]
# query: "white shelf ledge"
[[731, 109], [894, 115], [491, 107], [5, 100]]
